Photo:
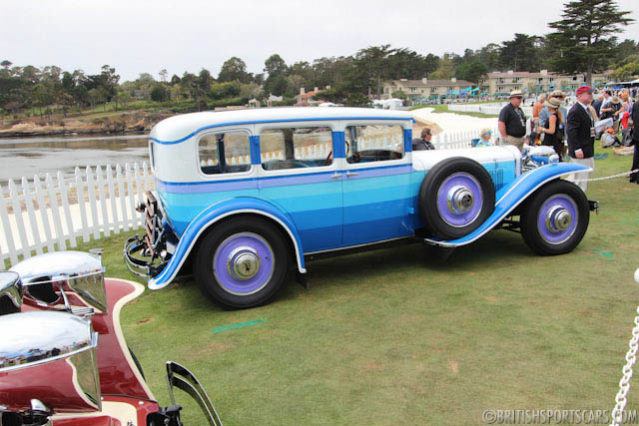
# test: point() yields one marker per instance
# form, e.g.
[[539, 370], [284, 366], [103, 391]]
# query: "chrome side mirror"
[[10, 292], [49, 357], [66, 280]]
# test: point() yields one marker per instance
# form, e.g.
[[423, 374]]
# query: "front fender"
[[513, 195], [215, 213]]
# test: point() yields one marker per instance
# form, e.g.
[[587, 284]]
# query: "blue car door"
[[299, 174], [377, 172]]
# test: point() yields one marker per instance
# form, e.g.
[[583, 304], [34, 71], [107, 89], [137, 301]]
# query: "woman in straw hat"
[[553, 136]]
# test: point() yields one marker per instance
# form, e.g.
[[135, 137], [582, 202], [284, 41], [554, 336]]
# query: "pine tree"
[[585, 39]]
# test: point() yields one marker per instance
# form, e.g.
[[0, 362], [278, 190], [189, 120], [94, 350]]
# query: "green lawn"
[[391, 337]]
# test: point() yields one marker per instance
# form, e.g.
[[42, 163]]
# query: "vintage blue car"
[[244, 197]]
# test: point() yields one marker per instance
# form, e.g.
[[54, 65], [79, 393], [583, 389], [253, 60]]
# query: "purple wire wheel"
[[243, 263], [557, 219], [459, 199]]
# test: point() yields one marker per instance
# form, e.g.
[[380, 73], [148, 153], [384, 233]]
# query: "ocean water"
[[30, 156]]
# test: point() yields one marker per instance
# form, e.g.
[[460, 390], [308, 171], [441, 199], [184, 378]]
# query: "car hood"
[[425, 160]]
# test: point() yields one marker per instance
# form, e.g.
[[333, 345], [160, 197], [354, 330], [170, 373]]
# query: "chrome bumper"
[[146, 255], [138, 266]]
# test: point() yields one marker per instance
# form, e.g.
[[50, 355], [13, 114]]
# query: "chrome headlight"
[[70, 280], [51, 357]]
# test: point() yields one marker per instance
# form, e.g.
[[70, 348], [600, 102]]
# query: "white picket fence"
[[50, 213], [56, 210], [457, 140], [490, 108]]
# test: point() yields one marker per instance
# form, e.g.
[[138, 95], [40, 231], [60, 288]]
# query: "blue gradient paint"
[[373, 204], [315, 209], [324, 213]]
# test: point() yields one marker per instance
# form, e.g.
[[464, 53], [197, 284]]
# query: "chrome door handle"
[[349, 174], [336, 175]]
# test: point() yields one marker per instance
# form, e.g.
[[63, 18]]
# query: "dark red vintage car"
[[63, 357]]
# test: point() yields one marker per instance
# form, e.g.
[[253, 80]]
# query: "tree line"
[[584, 40]]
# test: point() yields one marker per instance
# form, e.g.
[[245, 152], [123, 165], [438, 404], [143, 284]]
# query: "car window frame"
[[406, 157], [224, 176], [332, 126]]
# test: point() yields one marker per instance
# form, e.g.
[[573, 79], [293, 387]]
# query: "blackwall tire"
[[555, 219], [242, 262], [455, 198]]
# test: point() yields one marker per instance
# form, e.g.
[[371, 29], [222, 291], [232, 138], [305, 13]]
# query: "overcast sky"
[[138, 36]]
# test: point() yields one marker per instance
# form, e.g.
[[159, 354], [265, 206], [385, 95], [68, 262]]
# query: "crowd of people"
[[572, 132], [569, 125]]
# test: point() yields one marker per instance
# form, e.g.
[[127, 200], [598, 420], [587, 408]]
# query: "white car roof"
[[180, 127]]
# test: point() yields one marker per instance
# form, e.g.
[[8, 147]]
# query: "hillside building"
[[425, 88], [543, 81]]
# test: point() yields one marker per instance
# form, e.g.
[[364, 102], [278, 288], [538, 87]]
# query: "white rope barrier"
[[613, 176]]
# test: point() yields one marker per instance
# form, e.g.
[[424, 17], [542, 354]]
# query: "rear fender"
[[215, 213], [512, 196]]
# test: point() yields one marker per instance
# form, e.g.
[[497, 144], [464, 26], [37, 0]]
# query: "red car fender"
[[118, 372], [119, 376]]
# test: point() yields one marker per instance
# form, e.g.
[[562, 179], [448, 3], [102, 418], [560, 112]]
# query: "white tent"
[[388, 103]]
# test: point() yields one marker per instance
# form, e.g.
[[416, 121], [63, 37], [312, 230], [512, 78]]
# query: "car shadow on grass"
[[496, 247], [352, 269]]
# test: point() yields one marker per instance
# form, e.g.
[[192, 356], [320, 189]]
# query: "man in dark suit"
[[635, 139], [580, 126]]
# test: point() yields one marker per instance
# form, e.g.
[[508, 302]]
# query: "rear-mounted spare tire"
[[455, 198]]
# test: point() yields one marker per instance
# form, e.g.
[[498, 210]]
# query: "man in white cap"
[[512, 121]]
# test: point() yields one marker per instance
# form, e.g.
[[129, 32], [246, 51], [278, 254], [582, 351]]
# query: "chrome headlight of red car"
[[48, 363], [66, 280]]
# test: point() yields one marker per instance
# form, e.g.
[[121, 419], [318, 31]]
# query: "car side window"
[[224, 153], [296, 147], [377, 142]]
